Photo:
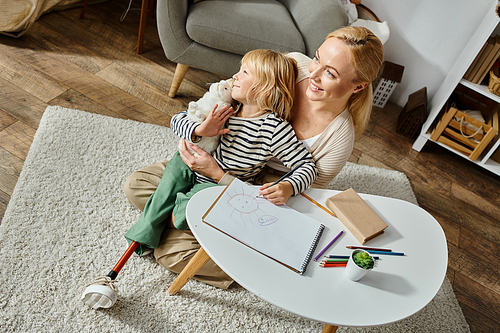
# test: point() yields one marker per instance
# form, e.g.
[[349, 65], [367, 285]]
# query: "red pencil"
[[333, 265], [368, 248]]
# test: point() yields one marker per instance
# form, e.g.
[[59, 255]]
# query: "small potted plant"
[[360, 262]]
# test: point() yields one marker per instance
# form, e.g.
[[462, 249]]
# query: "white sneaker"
[[101, 293]]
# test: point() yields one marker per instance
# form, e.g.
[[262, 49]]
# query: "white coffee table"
[[397, 288]]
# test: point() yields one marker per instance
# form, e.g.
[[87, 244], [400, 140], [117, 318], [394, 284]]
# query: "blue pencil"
[[387, 253], [331, 256], [286, 174]]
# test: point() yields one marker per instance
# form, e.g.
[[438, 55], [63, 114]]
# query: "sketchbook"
[[278, 232]]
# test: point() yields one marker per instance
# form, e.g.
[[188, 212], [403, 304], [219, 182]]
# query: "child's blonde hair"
[[275, 75]]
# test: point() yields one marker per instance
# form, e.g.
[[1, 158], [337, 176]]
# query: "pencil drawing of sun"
[[247, 206], [243, 203]]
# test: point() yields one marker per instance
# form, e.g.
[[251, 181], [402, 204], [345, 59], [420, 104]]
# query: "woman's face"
[[332, 74], [243, 81]]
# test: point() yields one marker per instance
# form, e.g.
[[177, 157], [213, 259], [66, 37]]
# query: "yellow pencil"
[[317, 204]]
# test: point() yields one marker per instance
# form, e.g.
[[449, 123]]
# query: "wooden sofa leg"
[[180, 72], [84, 9]]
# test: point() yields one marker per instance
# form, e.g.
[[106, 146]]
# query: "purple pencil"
[[329, 244]]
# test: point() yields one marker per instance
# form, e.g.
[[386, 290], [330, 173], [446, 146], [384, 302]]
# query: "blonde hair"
[[275, 75], [367, 54]]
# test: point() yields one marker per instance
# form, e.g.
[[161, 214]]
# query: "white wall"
[[427, 36]]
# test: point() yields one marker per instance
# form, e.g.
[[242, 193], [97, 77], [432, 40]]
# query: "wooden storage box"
[[452, 131]]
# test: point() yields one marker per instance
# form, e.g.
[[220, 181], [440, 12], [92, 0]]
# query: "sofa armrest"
[[171, 16]]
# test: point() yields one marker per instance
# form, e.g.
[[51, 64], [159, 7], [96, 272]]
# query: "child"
[[258, 130]]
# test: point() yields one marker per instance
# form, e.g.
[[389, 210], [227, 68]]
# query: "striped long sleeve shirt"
[[250, 143]]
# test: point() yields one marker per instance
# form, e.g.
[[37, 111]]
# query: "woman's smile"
[[313, 86]]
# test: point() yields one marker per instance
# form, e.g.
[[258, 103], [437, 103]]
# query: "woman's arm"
[[333, 149]]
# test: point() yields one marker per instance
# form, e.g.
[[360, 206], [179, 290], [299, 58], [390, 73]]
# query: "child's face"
[[243, 81]]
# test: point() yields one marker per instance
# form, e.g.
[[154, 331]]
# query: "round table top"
[[396, 288]]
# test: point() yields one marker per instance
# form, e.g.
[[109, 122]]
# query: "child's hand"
[[204, 163], [278, 194], [212, 125]]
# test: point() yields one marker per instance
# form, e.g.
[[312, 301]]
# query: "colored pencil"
[[336, 256], [387, 253], [329, 244], [333, 265], [317, 204], [342, 257], [368, 248], [286, 175], [335, 260]]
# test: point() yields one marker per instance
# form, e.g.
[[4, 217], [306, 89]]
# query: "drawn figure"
[[249, 208]]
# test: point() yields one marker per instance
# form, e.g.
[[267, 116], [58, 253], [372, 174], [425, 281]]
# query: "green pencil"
[[335, 260]]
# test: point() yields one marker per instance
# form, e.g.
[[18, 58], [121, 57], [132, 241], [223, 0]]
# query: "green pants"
[[176, 187]]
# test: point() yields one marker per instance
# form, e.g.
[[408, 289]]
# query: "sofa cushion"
[[240, 26], [315, 19]]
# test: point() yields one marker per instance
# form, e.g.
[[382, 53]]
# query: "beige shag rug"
[[65, 223]]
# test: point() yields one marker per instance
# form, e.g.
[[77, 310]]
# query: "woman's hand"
[[204, 163], [212, 125], [278, 194]]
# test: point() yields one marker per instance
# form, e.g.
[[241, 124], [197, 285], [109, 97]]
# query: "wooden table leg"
[[195, 264], [329, 329], [142, 25]]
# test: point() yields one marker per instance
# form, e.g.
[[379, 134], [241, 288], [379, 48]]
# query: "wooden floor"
[[91, 65]]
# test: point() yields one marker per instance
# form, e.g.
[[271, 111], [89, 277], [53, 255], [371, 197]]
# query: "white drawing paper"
[[279, 232]]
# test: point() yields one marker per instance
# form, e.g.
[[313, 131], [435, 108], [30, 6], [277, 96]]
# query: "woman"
[[331, 108]]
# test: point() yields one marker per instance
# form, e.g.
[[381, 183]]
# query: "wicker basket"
[[494, 83]]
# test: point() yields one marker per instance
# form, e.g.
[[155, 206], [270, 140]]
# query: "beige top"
[[333, 147]]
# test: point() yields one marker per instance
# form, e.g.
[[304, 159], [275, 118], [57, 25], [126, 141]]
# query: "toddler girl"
[[264, 88]]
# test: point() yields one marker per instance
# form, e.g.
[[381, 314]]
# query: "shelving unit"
[[453, 79]]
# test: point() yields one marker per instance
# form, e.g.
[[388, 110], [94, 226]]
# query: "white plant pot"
[[352, 270]]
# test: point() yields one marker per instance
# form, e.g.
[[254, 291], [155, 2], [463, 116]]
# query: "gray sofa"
[[214, 34]]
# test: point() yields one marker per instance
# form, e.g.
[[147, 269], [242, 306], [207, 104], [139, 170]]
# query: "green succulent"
[[363, 260]]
